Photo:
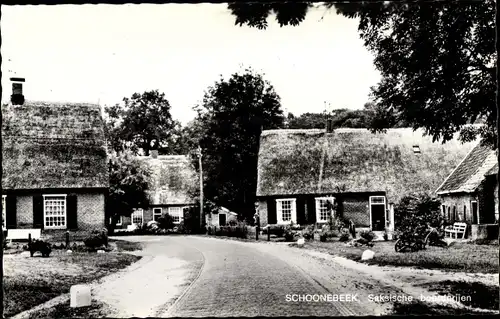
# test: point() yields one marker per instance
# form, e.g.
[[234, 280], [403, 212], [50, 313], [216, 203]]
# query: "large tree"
[[437, 59], [142, 122], [128, 185], [233, 114]]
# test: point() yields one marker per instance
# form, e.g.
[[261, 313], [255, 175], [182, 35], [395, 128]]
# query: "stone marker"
[[301, 242], [100, 251], [367, 254], [80, 296], [69, 251]]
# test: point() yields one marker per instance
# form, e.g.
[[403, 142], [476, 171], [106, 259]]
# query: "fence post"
[[268, 234], [29, 239], [257, 233], [67, 239]]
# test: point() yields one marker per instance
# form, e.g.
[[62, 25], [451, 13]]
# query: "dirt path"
[[409, 279]]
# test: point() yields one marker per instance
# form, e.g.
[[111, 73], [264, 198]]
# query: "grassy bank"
[[30, 281], [458, 257]]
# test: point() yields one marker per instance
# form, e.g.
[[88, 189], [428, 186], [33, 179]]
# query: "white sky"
[[102, 53]]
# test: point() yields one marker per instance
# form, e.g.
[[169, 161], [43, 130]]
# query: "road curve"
[[260, 279]]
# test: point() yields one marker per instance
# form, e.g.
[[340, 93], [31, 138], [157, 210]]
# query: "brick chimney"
[[154, 153], [17, 97]]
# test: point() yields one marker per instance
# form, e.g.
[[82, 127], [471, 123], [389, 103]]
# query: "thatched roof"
[[355, 160], [53, 145], [173, 179], [469, 174]]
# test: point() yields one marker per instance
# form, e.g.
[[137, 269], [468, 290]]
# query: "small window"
[[138, 216], [443, 210], [157, 212], [377, 200], [324, 208], [175, 212], [416, 149], [286, 211], [54, 211], [120, 221], [4, 211]]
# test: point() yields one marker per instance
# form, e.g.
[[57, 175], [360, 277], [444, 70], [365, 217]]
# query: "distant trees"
[[370, 117], [232, 115], [142, 122]]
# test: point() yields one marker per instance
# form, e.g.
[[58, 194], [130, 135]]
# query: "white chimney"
[[17, 97]]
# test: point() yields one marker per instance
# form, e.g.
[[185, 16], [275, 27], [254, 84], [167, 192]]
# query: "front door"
[[378, 217], [222, 219]]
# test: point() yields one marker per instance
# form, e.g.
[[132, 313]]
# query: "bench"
[[455, 230], [23, 234]]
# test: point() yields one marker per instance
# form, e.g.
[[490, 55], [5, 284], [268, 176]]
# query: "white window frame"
[[178, 214], [136, 212], [4, 212], [47, 197], [371, 198], [279, 210], [120, 221], [156, 215], [318, 208]]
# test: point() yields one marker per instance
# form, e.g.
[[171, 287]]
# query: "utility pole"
[[201, 187]]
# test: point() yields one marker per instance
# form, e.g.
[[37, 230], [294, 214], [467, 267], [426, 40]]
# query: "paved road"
[[254, 279]]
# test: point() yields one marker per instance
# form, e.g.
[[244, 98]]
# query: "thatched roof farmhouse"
[[360, 173], [173, 181], [470, 193], [54, 166]]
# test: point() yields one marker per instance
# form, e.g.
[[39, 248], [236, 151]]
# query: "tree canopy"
[[437, 59], [129, 180], [233, 114], [142, 122]]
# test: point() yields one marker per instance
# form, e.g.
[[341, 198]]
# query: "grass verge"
[[458, 257], [29, 282], [65, 311], [123, 245], [472, 294]]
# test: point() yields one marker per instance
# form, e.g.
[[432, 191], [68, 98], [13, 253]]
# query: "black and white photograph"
[[249, 159]]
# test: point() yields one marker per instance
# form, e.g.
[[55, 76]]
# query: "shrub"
[[308, 232], [96, 240], [344, 237], [239, 231], [166, 222], [232, 222], [416, 210], [386, 236], [367, 234], [278, 230], [41, 246], [289, 235], [322, 237]]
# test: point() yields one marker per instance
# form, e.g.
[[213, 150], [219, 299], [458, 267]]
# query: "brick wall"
[[24, 211], [263, 212], [461, 202], [358, 210], [90, 211]]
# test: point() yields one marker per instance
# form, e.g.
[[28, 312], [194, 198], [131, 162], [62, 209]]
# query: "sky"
[[103, 53]]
